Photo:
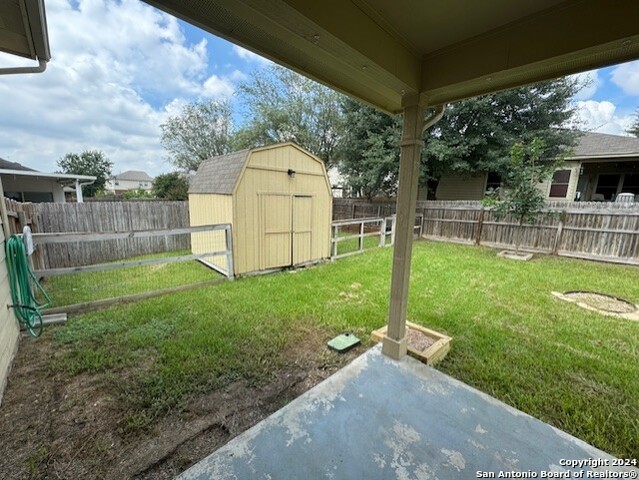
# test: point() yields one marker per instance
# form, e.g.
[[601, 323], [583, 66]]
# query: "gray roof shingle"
[[592, 144], [7, 165], [134, 175], [219, 174]]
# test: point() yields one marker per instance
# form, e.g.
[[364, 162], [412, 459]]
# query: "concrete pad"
[[382, 419]]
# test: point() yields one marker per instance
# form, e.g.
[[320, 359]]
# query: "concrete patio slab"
[[382, 419]]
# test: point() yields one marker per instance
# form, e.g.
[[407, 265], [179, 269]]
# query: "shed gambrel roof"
[[603, 145], [219, 174]]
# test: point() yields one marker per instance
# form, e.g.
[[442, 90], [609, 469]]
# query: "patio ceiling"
[[377, 50], [23, 29]]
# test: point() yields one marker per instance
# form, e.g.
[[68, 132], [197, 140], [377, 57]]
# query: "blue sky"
[[121, 68]]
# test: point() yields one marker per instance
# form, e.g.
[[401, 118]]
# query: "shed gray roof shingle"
[[219, 174], [592, 144]]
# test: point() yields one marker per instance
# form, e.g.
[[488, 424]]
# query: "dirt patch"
[[602, 303], [55, 426]]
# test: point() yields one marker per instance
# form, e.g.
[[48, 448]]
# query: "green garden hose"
[[23, 281]]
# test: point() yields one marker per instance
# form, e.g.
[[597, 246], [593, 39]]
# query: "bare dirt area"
[[54, 426]]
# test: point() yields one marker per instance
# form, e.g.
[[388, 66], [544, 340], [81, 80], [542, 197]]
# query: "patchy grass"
[[572, 368], [85, 287]]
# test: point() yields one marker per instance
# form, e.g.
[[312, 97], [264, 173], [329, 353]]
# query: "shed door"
[[275, 231], [302, 228]]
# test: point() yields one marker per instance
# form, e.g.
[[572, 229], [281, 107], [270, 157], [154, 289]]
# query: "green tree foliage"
[[369, 152], [200, 131], [475, 135], [634, 128], [171, 186], [89, 162], [520, 196], [281, 106], [137, 194]]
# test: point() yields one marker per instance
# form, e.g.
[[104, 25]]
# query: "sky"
[[119, 69]]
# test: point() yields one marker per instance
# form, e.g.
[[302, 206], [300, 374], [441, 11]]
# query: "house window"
[[559, 185], [493, 182], [607, 185], [117, 183], [631, 183]]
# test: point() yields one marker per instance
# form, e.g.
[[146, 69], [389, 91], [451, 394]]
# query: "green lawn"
[[85, 287], [573, 368]]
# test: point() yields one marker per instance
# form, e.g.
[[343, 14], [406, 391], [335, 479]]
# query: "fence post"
[[361, 236], [382, 233], [393, 224], [560, 230], [229, 252], [480, 226], [335, 237]]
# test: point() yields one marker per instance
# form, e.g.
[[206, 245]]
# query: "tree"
[[634, 128], [200, 131], [284, 106], [137, 194], [171, 186], [475, 135], [520, 195], [89, 162], [369, 152]]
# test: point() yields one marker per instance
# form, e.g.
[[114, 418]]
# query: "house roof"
[[386, 53], [219, 174], [16, 169], [7, 165], [603, 145], [134, 175]]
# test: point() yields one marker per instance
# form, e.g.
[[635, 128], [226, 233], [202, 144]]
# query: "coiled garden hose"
[[23, 282]]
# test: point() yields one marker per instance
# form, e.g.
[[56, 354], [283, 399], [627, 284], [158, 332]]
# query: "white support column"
[[78, 192], [394, 344]]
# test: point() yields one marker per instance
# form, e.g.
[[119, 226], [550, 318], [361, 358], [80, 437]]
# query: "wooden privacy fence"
[[100, 217], [588, 230]]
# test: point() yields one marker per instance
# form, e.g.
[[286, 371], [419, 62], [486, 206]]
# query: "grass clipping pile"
[[602, 303]]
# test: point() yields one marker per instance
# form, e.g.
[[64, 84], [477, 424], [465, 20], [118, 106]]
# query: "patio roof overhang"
[[23, 30], [378, 51], [404, 55]]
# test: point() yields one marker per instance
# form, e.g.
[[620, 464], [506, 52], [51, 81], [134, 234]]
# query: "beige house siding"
[[574, 168], [210, 210], [461, 187], [9, 332]]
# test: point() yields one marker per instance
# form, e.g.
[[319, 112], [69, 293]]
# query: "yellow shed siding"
[[207, 209], [264, 179], [9, 331]]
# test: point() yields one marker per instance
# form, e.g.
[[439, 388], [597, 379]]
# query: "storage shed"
[[278, 201]]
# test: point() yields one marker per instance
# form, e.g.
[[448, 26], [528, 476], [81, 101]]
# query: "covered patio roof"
[[380, 50]]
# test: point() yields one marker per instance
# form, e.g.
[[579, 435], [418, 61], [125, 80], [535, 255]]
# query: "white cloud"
[[249, 56], [119, 69], [626, 77], [590, 81], [601, 117]]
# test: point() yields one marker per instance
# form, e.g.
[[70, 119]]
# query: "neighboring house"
[[27, 185], [338, 182], [601, 167], [129, 180]]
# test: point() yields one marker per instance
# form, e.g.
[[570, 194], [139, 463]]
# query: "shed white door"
[[276, 231], [286, 230], [302, 229]]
